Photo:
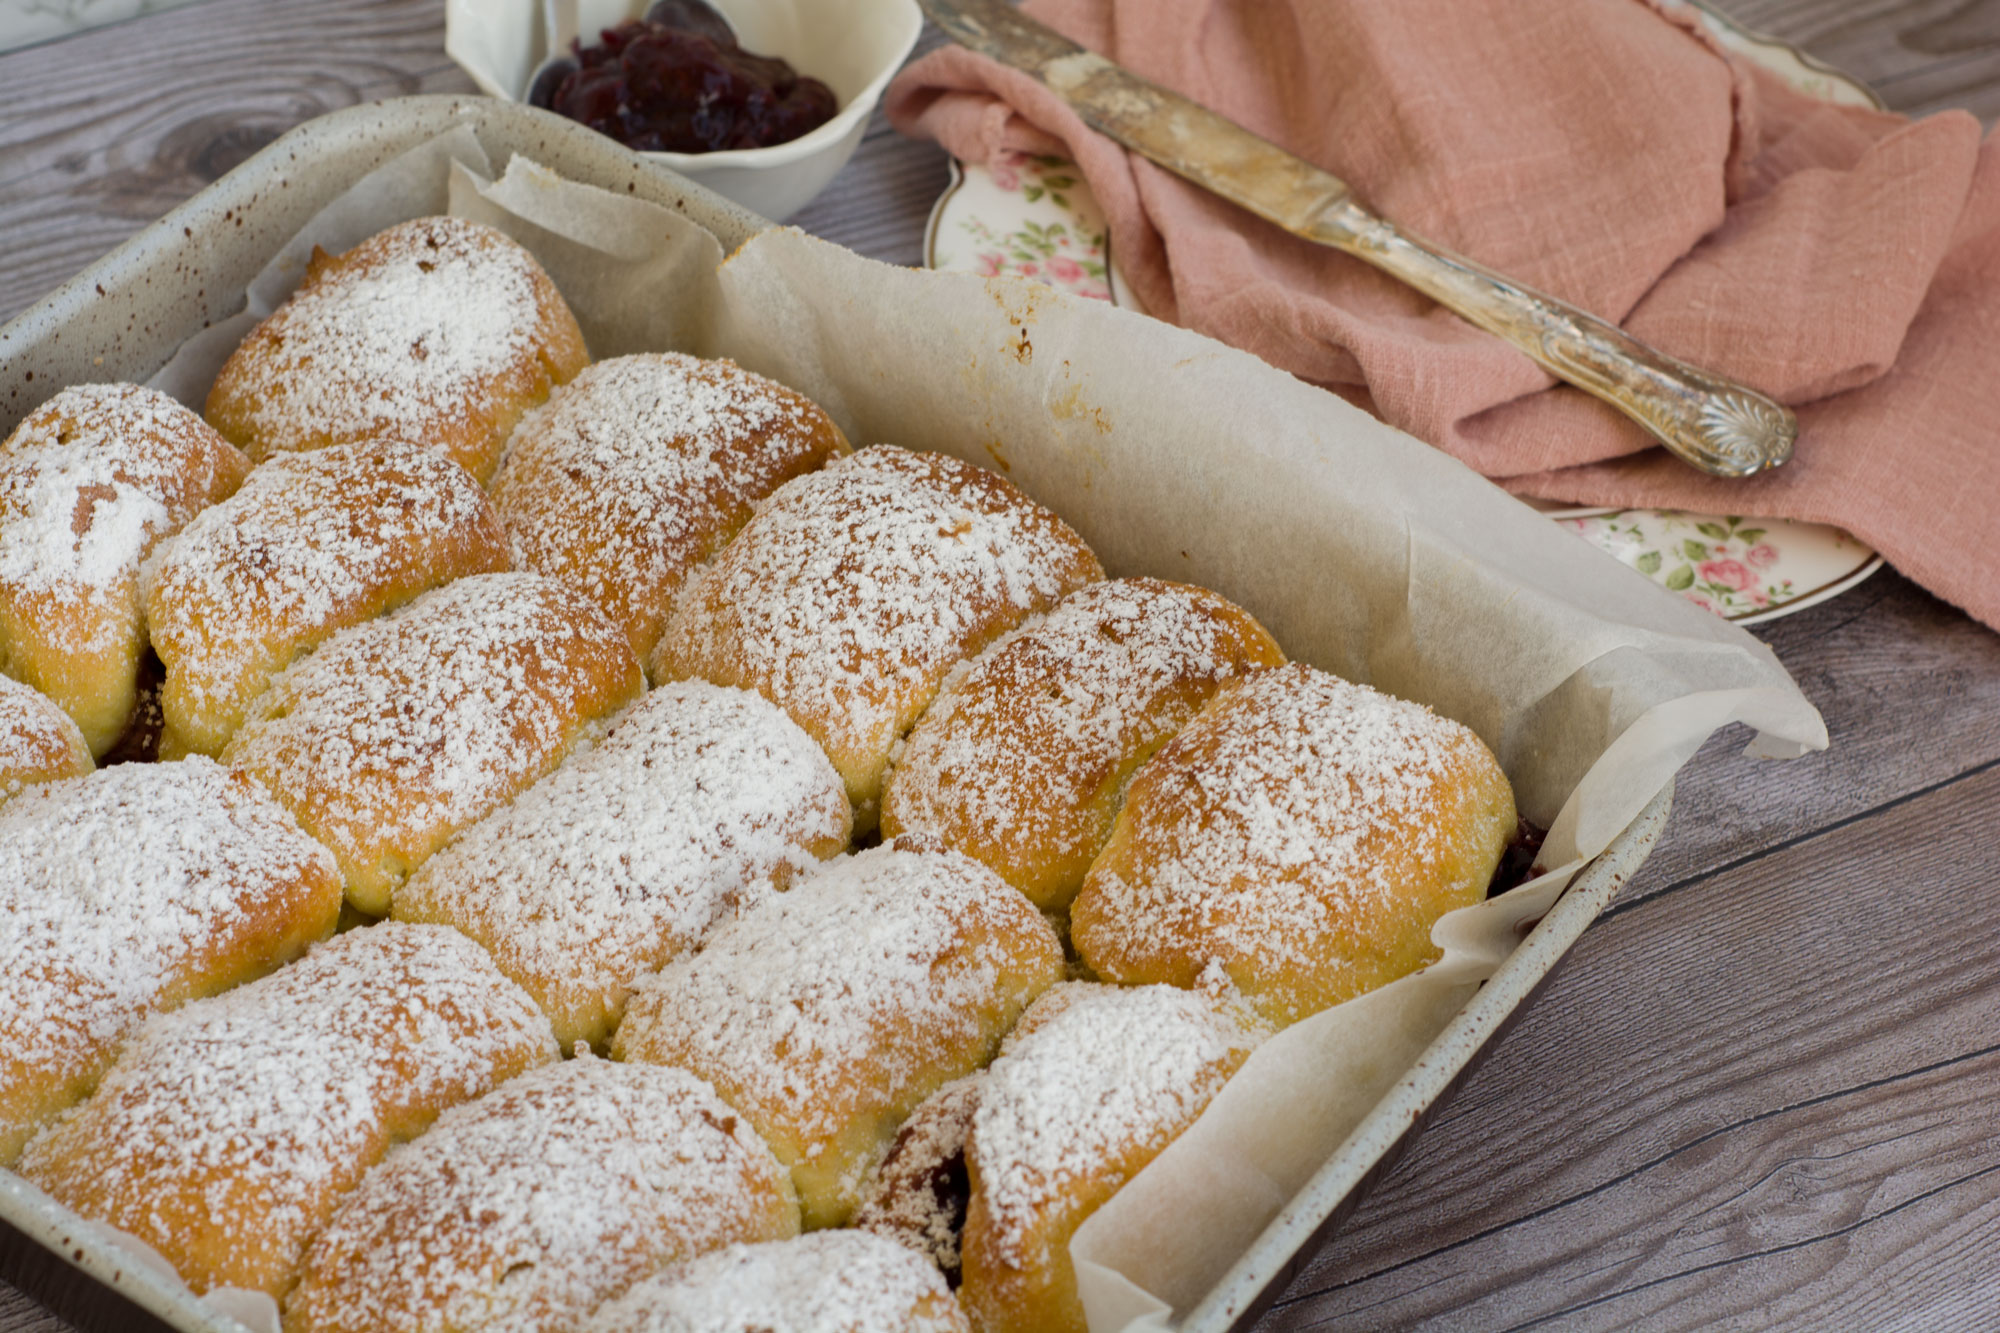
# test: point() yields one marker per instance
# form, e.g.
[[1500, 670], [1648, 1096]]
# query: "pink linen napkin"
[[1608, 152]]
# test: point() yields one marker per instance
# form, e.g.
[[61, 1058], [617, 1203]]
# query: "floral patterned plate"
[[1036, 217]]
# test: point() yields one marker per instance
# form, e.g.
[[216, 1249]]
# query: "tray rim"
[[34, 365]]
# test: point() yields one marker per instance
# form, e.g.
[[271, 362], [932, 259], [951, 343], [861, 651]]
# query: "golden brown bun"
[[825, 1014], [642, 468], [439, 330], [1022, 762], [38, 741], [313, 543], [125, 893], [1094, 1084], [527, 1208], [228, 1130], [827, 1282], [699, 799], [855, 590], [397, 734], [920, 1192], [88, 483], [1302, 834]]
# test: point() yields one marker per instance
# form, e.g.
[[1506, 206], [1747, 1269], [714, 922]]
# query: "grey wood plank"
[[1689, 1101]]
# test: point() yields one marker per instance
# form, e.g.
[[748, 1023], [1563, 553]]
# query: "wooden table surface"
[[1764, 1090]]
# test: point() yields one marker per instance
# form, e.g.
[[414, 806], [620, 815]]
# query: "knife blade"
[[1714, 423]]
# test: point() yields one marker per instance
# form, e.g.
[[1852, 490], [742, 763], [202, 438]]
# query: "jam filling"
[[675, 81]]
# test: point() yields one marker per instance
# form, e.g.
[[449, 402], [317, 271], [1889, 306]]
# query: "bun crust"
[[397, 734], [855, 590], [1302, 834], [699, 801], [1022, 762], [552, 1193], [227, 1131], [642, 467], [438, 330], [311, 544], [825, 1014], [89, 482], [124, 894], [38, 741]]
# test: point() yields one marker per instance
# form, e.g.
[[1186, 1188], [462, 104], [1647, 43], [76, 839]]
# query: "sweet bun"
[[125, 893], [38, 741], [1023, 760], [855, 590], [529, 1207], [311, 544], [88, 483], [1302, 834], [827, 1282], [700, 798], [642, 467], [825, 1014], [1094, 1084], [920, 1192], [228, 1130], [397, 734], [438, 330]]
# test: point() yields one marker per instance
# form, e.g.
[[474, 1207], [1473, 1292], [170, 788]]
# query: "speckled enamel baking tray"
[[125, 316]]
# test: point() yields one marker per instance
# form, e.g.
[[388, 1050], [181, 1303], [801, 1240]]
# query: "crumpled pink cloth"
[[1608, 152]]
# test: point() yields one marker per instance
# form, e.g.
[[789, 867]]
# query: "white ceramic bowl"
[[853, 46]]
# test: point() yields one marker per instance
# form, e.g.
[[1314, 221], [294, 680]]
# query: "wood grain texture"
[[1762, 1090]]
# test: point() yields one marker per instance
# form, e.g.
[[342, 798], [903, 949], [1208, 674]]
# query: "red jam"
[[677, 82]]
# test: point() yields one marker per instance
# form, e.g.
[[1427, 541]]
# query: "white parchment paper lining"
[[1365, 552]]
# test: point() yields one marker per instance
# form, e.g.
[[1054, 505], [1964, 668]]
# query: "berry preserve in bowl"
[[676, 81], [725, 57]]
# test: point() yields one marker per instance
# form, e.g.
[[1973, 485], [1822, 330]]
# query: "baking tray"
[[123, 317]]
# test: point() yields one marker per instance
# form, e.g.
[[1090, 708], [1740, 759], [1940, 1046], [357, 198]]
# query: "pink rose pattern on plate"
[[1738, 568], [1050, 230]]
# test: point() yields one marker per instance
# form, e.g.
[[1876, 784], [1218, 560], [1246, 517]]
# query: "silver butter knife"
[[1718, 425]]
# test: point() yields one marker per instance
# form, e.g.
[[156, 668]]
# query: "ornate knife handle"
[[1718, 425]]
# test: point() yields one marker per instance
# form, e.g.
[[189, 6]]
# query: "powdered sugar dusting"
[[1023, 753], [855, 590], [399, 732], [699, 797], [90, 481], [847, 1000], [310, 544], [526, 1208], [228, 1129], [920, 1193], [640, 469], [38, 741], [1092, 1085], [1293, 803], [417, 332], [826, 1282], [118, 893]]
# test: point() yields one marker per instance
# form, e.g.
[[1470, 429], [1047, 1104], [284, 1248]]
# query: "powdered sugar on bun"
[[642, 467], [827, 1282], [853, 592], [699, 799], [827, 1013], [397, 734], [1024, 757], [229, 1129], [920, 1193], [1095, 1082], [38, 741], [1302, 834], [439, 329], [525, 1209], [88, 483], [311, 544], [125, 893]]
